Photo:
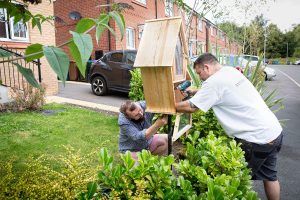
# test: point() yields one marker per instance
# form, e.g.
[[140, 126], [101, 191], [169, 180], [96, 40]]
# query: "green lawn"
[[31, 134]]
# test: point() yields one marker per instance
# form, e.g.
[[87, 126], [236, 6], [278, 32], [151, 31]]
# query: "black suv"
[[112, 72]]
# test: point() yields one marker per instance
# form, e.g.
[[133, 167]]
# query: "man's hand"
[[191, 91], [163, 120]]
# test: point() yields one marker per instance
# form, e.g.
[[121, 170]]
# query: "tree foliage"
[[276, 40]]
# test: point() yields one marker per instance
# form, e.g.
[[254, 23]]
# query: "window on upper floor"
[[169, 8], [200, 25], [130, 38], [10, 31], [142, 1], [212, 31]]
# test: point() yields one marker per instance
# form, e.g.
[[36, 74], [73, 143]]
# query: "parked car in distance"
[[269, 72], [297, 62], [112, 72]]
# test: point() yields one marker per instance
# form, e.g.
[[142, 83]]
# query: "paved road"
[[287, 82], [83, 92]]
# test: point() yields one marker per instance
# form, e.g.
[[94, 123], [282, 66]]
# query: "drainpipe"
[[207, 35], [109, 35], [155, 9]]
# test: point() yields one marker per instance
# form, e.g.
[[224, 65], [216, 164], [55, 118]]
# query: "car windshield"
[[251, 58]]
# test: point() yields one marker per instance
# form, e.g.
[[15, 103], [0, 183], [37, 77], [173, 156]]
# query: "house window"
[[3, 24], [10, 30], [187, 17], [169, 8], [200, 25], [130, 38], [142, 1]]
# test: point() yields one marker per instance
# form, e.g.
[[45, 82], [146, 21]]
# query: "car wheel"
[[266, 76], [99, 86]]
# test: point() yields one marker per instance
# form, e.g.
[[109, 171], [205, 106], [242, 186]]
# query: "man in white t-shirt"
[[243, 115]]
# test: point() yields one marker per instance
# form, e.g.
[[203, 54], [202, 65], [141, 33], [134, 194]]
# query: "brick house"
[[201, 32], [17, 37]]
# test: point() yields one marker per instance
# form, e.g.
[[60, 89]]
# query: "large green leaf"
[[84, 25], [4, 53], [84, 44], [33, 49], [76, 56], [28, 74], [92, 187], [120, 22], [101, 22], [36, 21], [58, 61]]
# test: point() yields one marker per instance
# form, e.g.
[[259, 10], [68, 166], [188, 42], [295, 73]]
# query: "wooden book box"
[[162, 57]]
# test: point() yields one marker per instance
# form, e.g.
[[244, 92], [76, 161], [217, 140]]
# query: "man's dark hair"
[[127, 105], [206, 58]]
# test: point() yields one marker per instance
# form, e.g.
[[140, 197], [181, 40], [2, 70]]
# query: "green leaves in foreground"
[[58, 61], [28, 74], [81, 49], [32, 52], [4, 53]]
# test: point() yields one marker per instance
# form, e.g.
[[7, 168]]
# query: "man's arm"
[[185, 107], [155, 126]]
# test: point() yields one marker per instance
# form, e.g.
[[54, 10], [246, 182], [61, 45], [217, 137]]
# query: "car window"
[[254, 58], [116, 57], [130, 57]]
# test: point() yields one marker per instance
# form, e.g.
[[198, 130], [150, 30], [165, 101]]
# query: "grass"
[[32, 134]]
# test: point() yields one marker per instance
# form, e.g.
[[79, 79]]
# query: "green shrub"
[[39, 180], [136, 92], [215, 166], [210, 176]]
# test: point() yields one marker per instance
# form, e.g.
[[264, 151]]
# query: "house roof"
[[158, 44]]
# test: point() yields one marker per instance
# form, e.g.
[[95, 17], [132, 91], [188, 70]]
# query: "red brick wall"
[[133, 18]]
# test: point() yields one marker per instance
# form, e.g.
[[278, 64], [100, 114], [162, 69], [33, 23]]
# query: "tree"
[[275, 43]]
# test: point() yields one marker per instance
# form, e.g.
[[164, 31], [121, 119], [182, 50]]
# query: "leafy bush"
[[136, 92], [215, 166], [39, 180], [152, 177], [29, 98]]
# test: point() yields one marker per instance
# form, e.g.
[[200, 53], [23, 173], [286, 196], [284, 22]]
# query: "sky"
[[283, 13]]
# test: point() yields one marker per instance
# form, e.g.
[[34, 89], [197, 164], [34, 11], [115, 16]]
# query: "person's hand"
[[191, 91], [161, 121]]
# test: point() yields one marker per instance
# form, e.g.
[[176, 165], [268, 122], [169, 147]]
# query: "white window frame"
[[10, 33], [144, 2], [169, 8], [200, 25], [6, 26], [11, 23], [128, 38]]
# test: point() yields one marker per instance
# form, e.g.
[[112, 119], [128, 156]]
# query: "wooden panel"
[[159, 90], [157, 47]]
